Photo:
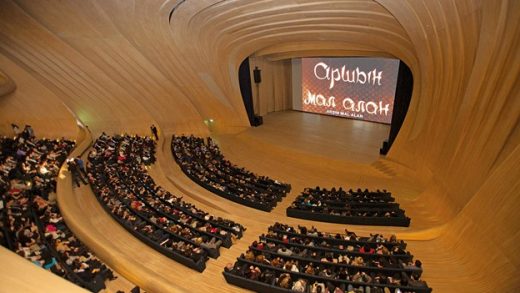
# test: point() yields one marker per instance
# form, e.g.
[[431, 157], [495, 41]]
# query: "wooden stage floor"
[[320, 135]]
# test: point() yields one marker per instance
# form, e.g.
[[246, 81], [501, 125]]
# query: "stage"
[[320, 135]]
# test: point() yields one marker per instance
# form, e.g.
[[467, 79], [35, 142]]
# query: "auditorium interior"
[[165, 146]]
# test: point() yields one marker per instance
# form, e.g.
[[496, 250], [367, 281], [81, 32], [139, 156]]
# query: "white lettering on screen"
[[323, 71], [347, 104]]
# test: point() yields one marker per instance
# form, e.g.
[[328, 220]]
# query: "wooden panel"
[[34, 104], [274, 93], [7, 85], [20, 275]]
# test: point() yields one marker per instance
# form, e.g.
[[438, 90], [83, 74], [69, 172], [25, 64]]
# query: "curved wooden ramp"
[[20, 275]]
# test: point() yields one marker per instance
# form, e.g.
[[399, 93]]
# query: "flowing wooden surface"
[[20, 275], [121, 65], [7, 85]]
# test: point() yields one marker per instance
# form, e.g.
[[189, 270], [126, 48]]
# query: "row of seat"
[[286, 259], [118, 177], [361, 207], [32, 223], [201, 160]]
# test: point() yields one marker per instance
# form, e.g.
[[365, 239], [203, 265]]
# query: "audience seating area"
[[285, 259], [361, 207], [305, 260], [31, 223], [117, 174], [201, 160]]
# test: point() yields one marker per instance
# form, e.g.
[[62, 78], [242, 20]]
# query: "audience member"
[[154, 132]]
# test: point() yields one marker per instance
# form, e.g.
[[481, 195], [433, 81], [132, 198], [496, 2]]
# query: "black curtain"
[[403, 95], [244, 78]]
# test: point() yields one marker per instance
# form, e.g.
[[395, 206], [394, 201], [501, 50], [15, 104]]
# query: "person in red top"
[[121, 158], [366, 249]]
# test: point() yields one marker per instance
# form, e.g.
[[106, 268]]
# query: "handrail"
[[353, 220]]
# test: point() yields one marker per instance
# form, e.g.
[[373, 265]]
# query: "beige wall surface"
[[123, 65], [274, 93]]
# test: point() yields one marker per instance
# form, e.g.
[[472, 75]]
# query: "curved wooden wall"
[[30, 278], [122, 65], [7, 85]]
